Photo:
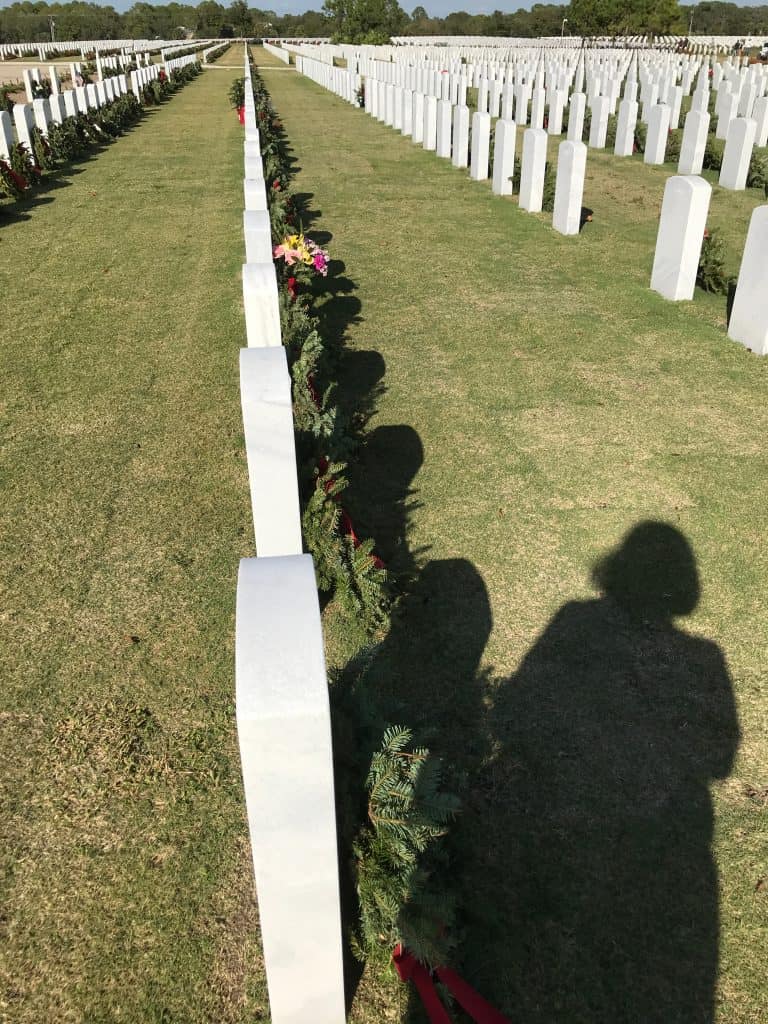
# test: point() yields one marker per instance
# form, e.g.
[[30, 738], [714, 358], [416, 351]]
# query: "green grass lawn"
[[536, 402], [533, 402], [126, 880]]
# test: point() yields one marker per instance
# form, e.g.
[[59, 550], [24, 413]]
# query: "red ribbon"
[[347, 527], [479, 1009]]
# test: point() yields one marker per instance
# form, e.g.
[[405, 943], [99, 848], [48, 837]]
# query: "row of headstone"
[[277, 51], [443, 127], [283, 714], [679, 242], [42, 113], [179, 62], [212, 52], [44, 51], [514, 103], [535, 86], [342, 81]]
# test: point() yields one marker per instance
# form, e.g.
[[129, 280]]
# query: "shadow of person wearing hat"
[[590, 890]]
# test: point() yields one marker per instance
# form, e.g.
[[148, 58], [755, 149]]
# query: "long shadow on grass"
[[581, 862]]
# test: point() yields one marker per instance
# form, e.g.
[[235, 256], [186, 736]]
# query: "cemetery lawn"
[[534, 401], [127, 888]]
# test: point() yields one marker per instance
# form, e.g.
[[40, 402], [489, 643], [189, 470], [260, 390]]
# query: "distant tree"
[[239, 15], [419, 14], [625, 17], [365, 21], [210, 20]]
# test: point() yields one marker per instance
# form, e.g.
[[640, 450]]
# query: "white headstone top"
[[284, 732]]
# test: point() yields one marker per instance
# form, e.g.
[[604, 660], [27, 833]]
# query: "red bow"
[[409, 969]]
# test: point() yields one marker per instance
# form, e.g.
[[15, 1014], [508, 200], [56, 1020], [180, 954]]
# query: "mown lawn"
[[534, 403], [127, 888]]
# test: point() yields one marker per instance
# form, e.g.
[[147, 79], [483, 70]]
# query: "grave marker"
[[680, 236], [749, 316], [569, 187]]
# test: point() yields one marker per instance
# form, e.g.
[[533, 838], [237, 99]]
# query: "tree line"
[[372, 21]]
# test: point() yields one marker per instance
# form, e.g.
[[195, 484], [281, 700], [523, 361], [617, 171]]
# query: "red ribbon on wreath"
[[313, 391], [479, 1009], [347, 527]]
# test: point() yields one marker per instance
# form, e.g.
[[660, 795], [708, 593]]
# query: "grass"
[[536, 403], [533, 402], [126, 878]]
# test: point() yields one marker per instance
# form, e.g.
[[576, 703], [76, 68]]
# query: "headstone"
[[254, 194], [418, 118], [444, 113], [284, 734], [749, 316], [532, 167], [576, 112], [262, 308], [460, 146], [397, 121], [658, 134], [481, 144], [538, 102], [42, 113], [507, 101], [55, 85], [265, 393], [389, 105], [556, 108], [598, 128], [726, 113], [429, 140], [254, 168], [24, 121], [625, 129], [760, 115], [407, 116], [28, 78], [258, 236], [6, 135], [494, 98], [522, 96], [694, 142], [737, 154], [569, 187], [58, 112], [504, 157], [680, 236]]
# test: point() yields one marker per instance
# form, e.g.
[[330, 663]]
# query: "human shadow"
[[425, 676], [382, 497], [336, 306], [589, 889]]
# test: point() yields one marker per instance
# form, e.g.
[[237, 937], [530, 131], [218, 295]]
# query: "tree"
[[240, 17], [210, 19], [365, 21], [625, 17]]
